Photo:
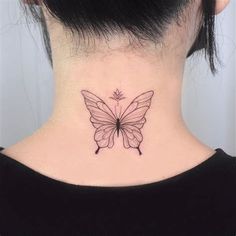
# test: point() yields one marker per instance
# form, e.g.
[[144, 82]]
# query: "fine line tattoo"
[[109, 121]]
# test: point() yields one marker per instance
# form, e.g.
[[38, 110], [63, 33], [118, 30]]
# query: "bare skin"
[[63, 148]]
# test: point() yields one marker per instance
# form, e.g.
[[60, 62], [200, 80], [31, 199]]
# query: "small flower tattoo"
[[117, 95]]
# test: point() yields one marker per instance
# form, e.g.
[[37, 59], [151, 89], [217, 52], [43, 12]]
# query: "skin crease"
[[63, 148]]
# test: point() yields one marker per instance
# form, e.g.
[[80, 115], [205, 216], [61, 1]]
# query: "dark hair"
[[140, 19]]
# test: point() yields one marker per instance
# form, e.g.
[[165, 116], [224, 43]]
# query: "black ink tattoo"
[[107, 122]]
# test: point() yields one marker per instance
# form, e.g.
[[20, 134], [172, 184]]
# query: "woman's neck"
[[129, 74], [65, 145]]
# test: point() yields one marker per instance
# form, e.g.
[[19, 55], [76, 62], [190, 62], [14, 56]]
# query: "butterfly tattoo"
[[108, 122]]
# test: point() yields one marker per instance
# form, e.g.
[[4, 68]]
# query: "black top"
[[199, 201]]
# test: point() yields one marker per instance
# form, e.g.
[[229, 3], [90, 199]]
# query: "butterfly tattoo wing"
[[133, 119], [102, 118]]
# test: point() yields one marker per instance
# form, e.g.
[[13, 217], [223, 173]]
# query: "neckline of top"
[[218, 153]]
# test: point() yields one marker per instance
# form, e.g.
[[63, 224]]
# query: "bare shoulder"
[[24, 151]]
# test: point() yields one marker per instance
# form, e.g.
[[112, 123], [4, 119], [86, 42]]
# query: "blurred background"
[[27, 86]]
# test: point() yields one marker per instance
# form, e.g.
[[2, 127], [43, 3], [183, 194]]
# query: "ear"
[[221, 5]]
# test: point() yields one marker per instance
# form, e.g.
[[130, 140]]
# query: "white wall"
[[209, 103], [26, 84]]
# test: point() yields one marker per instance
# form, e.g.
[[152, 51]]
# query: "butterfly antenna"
[[139, 151], [96, 152]]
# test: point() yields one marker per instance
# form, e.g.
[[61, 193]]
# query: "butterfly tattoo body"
[[107, 123]]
